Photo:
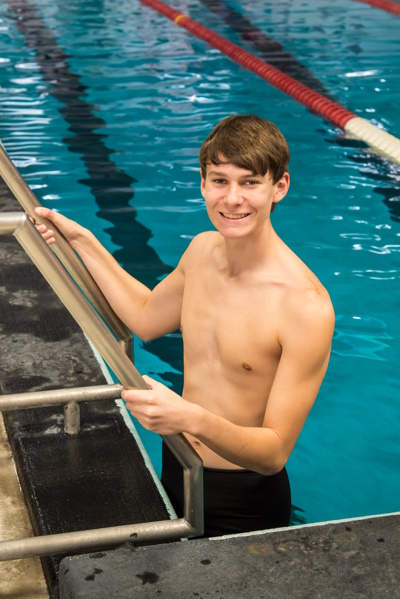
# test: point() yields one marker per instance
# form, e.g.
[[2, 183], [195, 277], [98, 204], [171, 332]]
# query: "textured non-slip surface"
[[22, 578], [346, 560], [95, 479]]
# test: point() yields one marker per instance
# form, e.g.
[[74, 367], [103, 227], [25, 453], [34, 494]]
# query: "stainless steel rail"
[[69, 542], [19, 225], [65, 253], [70, 398], [39, 399]]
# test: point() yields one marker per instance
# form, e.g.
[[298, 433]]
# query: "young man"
[[256, 323]]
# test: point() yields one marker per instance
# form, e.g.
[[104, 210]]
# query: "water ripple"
[[360, 337], [377, 275]]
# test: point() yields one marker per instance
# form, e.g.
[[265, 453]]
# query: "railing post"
[[72, 418]]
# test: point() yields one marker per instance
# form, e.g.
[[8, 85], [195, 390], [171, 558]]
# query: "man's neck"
[[250, 254]]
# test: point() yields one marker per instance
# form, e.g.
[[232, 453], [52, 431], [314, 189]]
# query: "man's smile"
[[234, 216]]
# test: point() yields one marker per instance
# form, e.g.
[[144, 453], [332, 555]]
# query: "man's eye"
[[251, 182], [218, 181]]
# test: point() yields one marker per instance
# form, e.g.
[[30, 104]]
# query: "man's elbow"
[[142, 328], [272, 469], [274, 464], [146, 335], [274, 454]]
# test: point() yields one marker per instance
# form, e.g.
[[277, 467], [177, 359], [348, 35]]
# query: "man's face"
[[237, 201]]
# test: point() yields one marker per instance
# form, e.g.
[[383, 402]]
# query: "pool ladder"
[[96, 319]]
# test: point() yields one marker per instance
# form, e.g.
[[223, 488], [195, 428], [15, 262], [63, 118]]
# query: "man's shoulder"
[[204, 242], [210, 238], [201, 246], [307, 305], [304, 299]]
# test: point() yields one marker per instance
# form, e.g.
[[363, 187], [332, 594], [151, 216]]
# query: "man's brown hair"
[[247, 141]]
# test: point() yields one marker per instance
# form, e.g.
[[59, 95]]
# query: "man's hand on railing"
[[69, 228], [159, 409]]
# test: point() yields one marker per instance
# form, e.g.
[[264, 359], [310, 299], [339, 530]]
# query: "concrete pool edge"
[[307, 525], [356, 558], [23, 577]]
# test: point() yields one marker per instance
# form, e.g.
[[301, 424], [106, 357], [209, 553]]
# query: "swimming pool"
[[104, 108]]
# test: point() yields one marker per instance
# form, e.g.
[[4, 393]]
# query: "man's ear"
[[202, 183], [281, 188]]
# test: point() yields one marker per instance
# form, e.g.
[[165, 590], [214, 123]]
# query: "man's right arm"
[[149, 314]]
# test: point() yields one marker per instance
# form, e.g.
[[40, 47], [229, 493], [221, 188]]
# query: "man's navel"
[[246, 366]]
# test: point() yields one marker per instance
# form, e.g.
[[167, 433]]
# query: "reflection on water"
[[360, 337]]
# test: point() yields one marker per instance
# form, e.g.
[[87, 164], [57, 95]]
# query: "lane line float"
[[382, 142], [267, 48], [384, 4]]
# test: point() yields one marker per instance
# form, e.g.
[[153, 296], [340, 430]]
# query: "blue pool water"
[[104, 107]]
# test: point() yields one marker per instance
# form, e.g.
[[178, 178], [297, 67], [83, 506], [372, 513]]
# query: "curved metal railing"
[[64, 252], [19, 225]]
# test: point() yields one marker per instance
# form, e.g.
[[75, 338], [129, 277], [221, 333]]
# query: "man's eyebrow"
[[217, 174], [220, 174]]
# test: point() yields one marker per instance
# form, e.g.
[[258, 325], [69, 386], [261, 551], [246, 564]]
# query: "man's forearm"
[[126, 295], [254, 448], [161, 410]]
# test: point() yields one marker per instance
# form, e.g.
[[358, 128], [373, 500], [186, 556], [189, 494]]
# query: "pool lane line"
[[384, 5], [110, 186], [317, 102], [267, 48], [382, 142]]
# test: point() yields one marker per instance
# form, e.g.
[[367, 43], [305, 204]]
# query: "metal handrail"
[[64, 252], [69, 398], [57, 397], [19, 225]]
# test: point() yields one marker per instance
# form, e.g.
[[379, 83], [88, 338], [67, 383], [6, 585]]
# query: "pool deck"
[[64, 477], [353, 559], [22, 578]]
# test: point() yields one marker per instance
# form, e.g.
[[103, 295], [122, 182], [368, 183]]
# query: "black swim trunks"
[[234, 500]]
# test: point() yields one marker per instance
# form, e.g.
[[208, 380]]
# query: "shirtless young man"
[[256, 323]]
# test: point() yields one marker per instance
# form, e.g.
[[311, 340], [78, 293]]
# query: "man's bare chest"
[[236, 326]]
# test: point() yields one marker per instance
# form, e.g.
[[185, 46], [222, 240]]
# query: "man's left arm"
[[305, 338]]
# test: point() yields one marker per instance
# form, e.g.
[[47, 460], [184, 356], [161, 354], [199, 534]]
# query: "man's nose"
[[233, 195]]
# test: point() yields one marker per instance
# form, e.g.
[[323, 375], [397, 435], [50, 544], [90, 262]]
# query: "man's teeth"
[[234, 216]]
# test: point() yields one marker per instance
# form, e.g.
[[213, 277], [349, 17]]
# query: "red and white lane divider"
[[384, 4], [382, 142]]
